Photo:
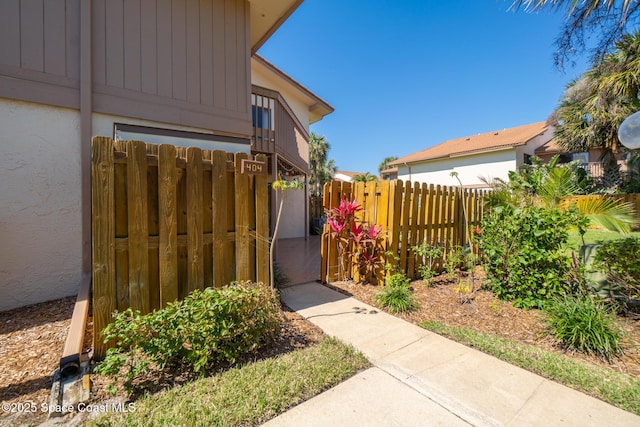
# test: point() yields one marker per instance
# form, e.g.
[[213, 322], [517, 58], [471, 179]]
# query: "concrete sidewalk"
[[421, 379]]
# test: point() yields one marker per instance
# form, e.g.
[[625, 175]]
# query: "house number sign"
[[253, 167]]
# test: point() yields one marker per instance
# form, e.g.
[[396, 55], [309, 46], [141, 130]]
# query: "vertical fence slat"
[[122, 227], [138, 226], [262, 224], [207, 220], [195, 264], [103, 239], [404, 230], [395, 216], [382, 219], [219, 197], [413, 230], [243, 270], [168, 251], [332, 259]]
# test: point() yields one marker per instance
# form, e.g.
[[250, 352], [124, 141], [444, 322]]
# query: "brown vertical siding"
[[10, 32], [176, 61]]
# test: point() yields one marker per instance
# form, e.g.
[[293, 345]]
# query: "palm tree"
[[554, 186], [364, 177], [594, 106], [602, 21], [385, 163], [321, 169]]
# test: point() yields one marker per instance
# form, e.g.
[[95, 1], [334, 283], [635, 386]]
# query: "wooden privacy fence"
[[167, 220], [409, 214]]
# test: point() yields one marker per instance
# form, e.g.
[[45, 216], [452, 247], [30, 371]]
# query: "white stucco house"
[[488, 155], [184, 73]]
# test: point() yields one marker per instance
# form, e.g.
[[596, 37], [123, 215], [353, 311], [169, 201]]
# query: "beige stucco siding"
[[40, 212], [470, 169]]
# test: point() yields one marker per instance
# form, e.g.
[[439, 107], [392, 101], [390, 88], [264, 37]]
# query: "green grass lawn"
[[594, 236], [249, 394], [613, 387]]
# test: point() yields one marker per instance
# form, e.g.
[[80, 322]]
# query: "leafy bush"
[[213, 325], [584, 324], [397, 295], [524, 258], [619, 260], [429, 254]]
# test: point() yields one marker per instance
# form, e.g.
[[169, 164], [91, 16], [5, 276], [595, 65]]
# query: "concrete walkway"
[[422, 379]]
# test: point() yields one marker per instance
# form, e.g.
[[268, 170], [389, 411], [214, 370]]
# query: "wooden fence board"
[[262, 225], [219, 189], [195, 246], [168, 251], [243, 270], [138, 226], [103, 241]]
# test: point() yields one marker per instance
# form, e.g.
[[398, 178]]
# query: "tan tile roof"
[[550, 147], [505, 138]]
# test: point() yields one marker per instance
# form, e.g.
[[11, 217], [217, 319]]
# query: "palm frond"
[[609, 213]]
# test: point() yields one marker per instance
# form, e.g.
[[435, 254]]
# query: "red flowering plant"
[[355, 239]]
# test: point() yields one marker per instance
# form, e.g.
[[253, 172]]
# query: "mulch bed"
[[485, 313]]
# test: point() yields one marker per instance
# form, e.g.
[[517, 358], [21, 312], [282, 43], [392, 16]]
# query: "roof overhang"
[[266, 16], [401, 162], [318, 108]]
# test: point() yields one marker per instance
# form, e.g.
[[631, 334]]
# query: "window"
[[262, 112], [179, 138]]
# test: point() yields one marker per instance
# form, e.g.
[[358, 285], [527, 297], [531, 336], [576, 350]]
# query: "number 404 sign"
[[253, 167]]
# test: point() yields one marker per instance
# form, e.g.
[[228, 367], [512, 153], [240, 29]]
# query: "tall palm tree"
[[594, 106], [321, 169], [385, 163]]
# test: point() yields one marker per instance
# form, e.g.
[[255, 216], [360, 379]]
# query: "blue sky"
[[406, 75]]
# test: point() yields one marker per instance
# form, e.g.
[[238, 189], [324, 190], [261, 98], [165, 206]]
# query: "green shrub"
[[209, 326], [397, 295], [619, 260], [585, 324], [429, 254], [524, 258]]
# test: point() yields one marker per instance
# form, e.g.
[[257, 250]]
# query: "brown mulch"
[[485, 313], [31, 343]]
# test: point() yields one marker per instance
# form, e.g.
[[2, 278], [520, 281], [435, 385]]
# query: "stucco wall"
[[292, 223], [40, 222], [470, 169]]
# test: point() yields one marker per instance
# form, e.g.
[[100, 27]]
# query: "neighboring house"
[[590, 161], [347, 176], [489, 155], [178, 72], [389, 174]]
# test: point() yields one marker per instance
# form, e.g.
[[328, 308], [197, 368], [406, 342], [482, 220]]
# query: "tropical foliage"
[[602, 21], [320, 167], [364, 177], [594, 105], [385, 163]]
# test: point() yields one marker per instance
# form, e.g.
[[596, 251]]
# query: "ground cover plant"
[[249, 394], [206, 329]]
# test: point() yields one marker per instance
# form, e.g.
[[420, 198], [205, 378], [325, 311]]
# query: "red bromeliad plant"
[[354, 238]]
